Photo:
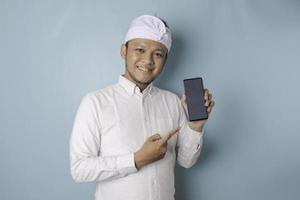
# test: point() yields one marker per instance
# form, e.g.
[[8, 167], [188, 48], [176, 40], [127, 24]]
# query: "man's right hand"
[[153, 149]]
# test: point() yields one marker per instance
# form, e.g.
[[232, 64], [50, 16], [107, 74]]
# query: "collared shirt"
[[113, 123]]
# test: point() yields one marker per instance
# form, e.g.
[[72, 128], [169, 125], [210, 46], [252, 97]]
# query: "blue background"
[[248, 52]]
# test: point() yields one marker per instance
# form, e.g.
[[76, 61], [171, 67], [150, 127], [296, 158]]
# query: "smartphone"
[[194, 92]]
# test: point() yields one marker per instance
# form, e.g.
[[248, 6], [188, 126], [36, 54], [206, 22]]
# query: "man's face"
[[144, 60]]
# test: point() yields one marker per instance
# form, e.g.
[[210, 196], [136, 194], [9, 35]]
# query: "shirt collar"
[[132, 88]]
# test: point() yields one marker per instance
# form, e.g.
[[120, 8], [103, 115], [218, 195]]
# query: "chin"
[[137, 77], [144, 81], [142, 78]]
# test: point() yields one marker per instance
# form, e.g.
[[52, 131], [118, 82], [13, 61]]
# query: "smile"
[[143, 69]]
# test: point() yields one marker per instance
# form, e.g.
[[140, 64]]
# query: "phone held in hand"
[[194, 92]]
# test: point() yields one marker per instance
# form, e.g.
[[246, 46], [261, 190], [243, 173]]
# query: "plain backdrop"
[[248, 52]]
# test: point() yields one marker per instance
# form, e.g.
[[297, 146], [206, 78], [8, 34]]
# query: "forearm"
[[189, 147], [198, 129], [90, 169]]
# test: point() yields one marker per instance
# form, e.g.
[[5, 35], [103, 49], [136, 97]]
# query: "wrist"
[[138, 160], [196, 128]]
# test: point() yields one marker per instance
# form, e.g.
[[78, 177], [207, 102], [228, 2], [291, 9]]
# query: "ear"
[[123, 51]]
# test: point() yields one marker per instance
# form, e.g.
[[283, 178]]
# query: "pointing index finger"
[[168, 136]]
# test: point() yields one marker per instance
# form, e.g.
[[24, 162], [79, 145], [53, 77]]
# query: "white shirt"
[[113, 123]]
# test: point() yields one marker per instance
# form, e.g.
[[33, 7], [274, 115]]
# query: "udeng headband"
[[149, 27]]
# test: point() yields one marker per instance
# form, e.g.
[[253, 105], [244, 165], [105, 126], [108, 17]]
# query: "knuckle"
[[153, 136], [162, 155]]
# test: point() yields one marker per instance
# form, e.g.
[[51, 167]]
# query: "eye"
[[159, 55], [140, 50]]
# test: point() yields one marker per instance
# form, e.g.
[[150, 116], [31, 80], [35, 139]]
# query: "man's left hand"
[[209, 104]]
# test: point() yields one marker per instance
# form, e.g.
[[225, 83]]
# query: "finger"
[[205, 96], [155, 137], [207, 103], [206, 92], [212, 104], [168, 136], [209, 109], [208, 100], [184, 104], [183, 99]]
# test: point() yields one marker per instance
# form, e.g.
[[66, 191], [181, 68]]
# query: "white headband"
[[149, 27]]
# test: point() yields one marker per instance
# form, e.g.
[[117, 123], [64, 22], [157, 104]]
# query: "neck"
[[141, 86]]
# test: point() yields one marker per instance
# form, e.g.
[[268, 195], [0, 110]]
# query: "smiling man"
[[127, 137], [144, 60]]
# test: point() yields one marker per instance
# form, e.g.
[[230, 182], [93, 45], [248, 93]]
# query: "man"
[[127, 137]]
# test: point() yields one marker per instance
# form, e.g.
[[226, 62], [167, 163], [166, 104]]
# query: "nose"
[[148, 59]]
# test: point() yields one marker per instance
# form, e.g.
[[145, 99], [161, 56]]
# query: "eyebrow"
[[142, 45]]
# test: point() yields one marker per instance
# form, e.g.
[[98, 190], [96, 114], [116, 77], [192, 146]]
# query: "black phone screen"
[[194, 92]]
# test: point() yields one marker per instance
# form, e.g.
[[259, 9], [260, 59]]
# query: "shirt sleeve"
[[189, 142], [85, 163]]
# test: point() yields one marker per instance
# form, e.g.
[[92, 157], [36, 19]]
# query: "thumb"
[[183, 99], [183, 103]]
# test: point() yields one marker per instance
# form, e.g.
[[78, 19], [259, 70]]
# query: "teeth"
[[143, 69]]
